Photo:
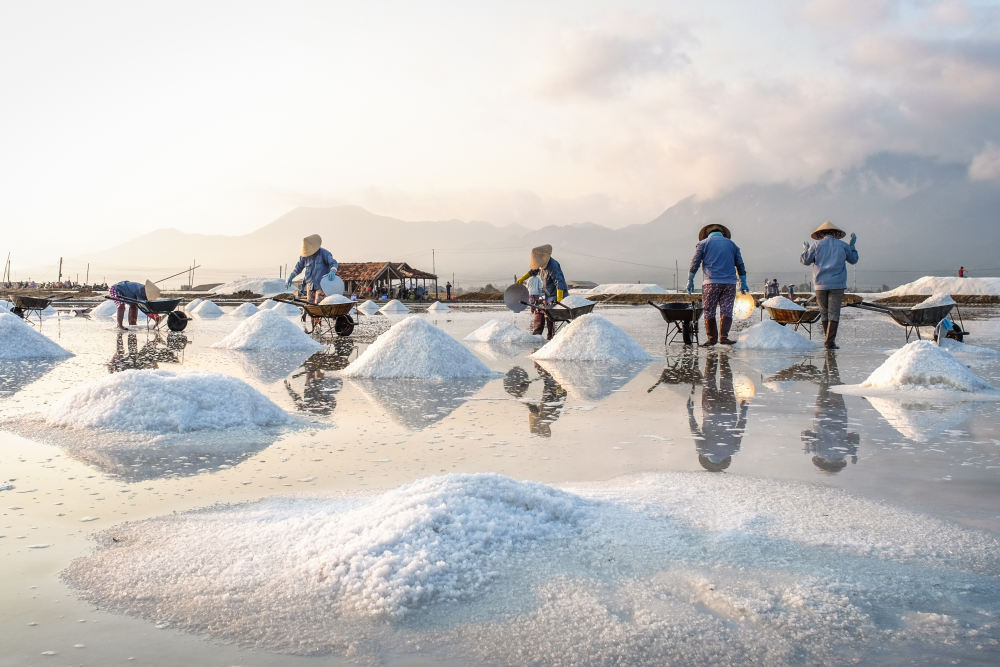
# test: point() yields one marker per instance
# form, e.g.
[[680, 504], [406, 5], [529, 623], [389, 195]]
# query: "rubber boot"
[[824, 323], [831, 335], [727, 323], [712, 329]]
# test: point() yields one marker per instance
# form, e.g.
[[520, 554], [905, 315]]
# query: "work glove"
[[521, 280], [743, 284], [805, 244], [332, 274], [690, 287], [854, 239], [288, 283], [560, 294]]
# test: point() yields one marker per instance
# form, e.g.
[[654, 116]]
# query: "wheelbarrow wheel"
[[344, 325], [177, 321]]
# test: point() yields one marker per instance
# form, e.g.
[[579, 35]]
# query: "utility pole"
[[88, 272], [434, 269], [60, 270], [677, 269]]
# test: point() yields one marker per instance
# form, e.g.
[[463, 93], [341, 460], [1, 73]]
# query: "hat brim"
[[714, 227], [820, 233]]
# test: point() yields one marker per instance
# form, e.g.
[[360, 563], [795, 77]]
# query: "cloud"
[[848, 13], [986, 165]]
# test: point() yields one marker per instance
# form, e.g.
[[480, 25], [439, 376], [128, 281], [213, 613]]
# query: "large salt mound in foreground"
[[496, 331], [592, 338], [267, 330], [658, 569], [19, 340], [262, 286], [415, 348], [394, 307], [625, 288], [159, 401], [769, 335], [922, 365], [245, 310]]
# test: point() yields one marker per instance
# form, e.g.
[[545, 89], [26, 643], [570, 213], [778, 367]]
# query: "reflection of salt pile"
[[369, 307], [105, 310], [19, 340], [499, 351], [935, 300], [286, 309], [416, 404], [158, 401], [207, 309], [245, 310], [267, 330], [438, 307], [922, 421], [394, 307], [592, 380], [415, 348], [921, 365], [592, 338], [781, 303], [262, 286], [964, 349], [524, 573], [269, 366], [335, 298], [496, 331], [575, 301], [625, 288], [769, 335]]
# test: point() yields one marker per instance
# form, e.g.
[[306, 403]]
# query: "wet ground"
[[767, 415]]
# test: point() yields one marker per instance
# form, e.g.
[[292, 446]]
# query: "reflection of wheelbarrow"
[[176, 320], [911, 319], [324, 319], [559, 314], [796, 318], [681, 318]]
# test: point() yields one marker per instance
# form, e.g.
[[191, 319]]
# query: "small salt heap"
[[245, 310], [105, 310], [781, 303], [267, 330], [415, 348], [438, 307], [268, 304], [207, 308], [369, 307], [286, 309], [592, 338], [193, 306], [394, 307], [496, 331], [19, 340], [921, 365], [160, 401], [575, 301], [335, 299], [769, 335]]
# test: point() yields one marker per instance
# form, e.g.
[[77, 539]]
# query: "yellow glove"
[[560, 294], [523, 278]]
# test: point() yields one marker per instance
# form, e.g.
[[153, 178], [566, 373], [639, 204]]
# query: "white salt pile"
[[496, 331], [625, 288], [336, 298], [286, 309], [612, 573], [575, 301], [267, 330], [769, 335], [415, 348], [159, 401], [394, 307], [964, 349], [50, 311], [953, 285], [369, 307], [193, 306], [268, 304], [19, 340], [935, 300], [207, 309], [262, 286], [438, 307], [922, 421], [781, 303], [245, 310], [105, 310], [592, 338], [923, 366]]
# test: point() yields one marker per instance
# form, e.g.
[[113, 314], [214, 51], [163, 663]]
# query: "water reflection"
[[921, 422], [592, 380], [680, 371], [804, 371], [313, 388], [269, 366], [198, 456], [829, 441], [416, 404], [543, 412], [723, 415], [155, 351], [498, 351], [15, 374]]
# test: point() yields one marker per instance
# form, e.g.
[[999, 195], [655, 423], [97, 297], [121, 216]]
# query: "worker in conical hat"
[[137, 292], [828, 256], [554, 287], [315, 263], [721, 267]]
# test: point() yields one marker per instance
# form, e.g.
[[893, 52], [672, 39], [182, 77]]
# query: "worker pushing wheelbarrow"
[[546, 288], [146, 298]]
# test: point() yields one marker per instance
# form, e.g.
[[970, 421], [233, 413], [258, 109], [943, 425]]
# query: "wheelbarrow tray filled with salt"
[[325, 318], [796, 318]]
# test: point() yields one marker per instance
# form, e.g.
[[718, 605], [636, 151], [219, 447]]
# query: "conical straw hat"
[[829, 227], [540, 256], [152, 291], [714, 227], [311, 244]]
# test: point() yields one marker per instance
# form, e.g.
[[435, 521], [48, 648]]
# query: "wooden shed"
[[373, 279]]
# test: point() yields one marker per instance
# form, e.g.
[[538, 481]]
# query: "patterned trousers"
[[721, 295]]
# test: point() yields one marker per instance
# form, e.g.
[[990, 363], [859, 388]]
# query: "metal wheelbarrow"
[[911, 319], [682, 319], [324, 319], [175, 319]]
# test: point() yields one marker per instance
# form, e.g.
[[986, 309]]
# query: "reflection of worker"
[[134, 359], [553, 284], [136, 292], [319, 393], [828, 257], [314, 264], [683, 371], [547, 410], [723, 418], [721, 264], [828, 440]]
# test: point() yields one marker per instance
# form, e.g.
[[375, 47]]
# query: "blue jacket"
[[552, 279], [828, 257], [315, 267], [131, 290], [721, 260]]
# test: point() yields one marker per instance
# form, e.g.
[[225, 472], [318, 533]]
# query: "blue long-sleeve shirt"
[[827, 257], [552, 278], [720, 260], [131, 290], [315, 267]]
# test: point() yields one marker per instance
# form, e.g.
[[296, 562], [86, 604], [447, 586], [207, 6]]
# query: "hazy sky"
[[122, 117]]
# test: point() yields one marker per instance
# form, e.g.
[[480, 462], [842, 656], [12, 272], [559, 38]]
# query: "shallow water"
[[753, 415]]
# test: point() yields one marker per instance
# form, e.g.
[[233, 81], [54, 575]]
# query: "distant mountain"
[[913, 216]]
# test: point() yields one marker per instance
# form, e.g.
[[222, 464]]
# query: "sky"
[[119, 118]]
